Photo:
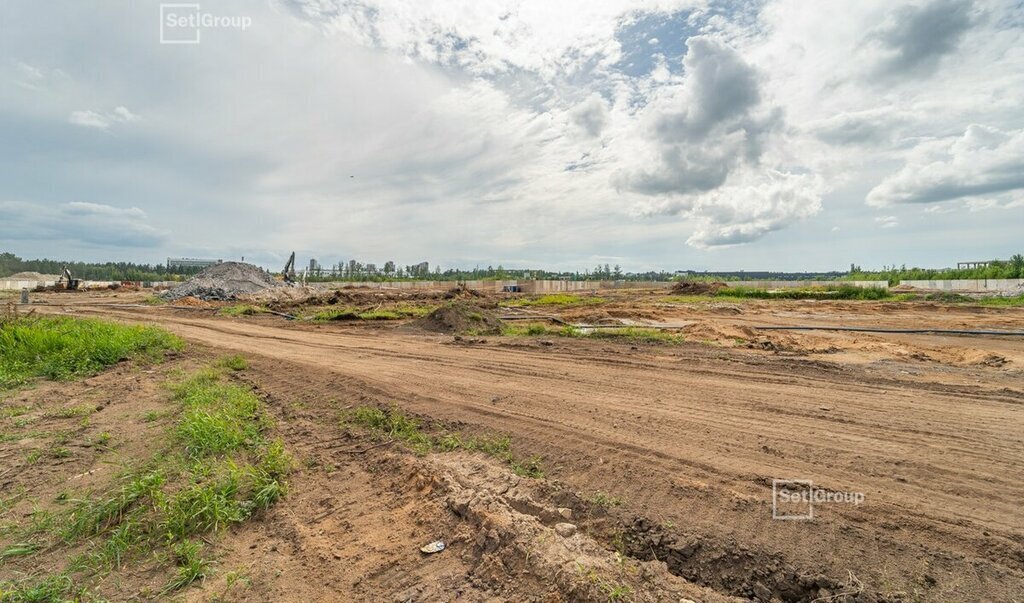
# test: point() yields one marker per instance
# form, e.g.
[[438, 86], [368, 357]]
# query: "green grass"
[[237, 362], [392, 424], [62, 348], [556, 299], [836, 292], [1003, 302], [349, 313], [53, 588], [605, 501], [241, 310], [629, 334], [220, 468], [191, 566]]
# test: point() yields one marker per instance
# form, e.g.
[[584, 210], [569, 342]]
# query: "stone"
[[565, 530]]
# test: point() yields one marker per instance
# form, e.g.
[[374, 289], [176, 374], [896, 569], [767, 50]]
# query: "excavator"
[[289, 270], [67, 282]]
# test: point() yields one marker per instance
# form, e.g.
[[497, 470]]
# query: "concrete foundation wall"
[[803, 284], [981, 285]]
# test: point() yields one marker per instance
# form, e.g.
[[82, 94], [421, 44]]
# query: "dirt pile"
[[31, 276], [459, 317], [225, 281], [698, 287], [460, 291]]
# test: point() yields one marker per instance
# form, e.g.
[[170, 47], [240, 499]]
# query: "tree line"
[[106, 271]]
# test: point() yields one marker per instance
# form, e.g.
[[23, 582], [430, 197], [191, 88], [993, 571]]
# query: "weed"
[[1003, 302], [70, 412], [32, 456], [379, 315], [529, 330], [832, 292], [18, 550], [393, 424], [191, 566], [103, 439], [557, 299], [344, 313], [236, 362], [60, 453], [58, 587], [632, 334], [62, 348], [89, 517], [636, 334], [241, 310], [600, 499], [150, 416], [219, 418]]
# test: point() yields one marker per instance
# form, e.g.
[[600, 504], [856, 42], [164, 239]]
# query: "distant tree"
[[1017, 265]]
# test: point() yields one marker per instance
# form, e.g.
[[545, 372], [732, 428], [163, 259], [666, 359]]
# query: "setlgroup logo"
[[794, 499], [182, 23]]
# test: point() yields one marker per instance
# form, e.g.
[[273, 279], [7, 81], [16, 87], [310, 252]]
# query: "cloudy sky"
[[664, 134]]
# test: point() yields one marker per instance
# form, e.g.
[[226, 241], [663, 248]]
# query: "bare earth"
[[689, 437]]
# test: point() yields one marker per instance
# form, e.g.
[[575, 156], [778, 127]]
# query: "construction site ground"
[[661, 453]]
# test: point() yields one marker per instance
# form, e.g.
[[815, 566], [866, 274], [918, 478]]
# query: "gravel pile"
[[225, 281]]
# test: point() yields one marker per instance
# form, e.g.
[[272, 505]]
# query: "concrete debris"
[[225, 281]]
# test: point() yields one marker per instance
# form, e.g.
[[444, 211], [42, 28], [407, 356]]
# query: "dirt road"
[[690, 438]]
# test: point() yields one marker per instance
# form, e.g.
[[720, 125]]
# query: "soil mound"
[[461, 291], [225, 281], [31, 276], [460, 317], [698, 287]]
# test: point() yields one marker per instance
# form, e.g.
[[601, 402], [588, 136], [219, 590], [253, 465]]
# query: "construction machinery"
[[289, 270], [66, 281]]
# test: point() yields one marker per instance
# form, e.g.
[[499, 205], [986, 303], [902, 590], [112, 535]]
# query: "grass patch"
[[1003, 302], [343, 313], [220, 469], [836, 292], [349, 313], [630, 334], [392, 424], [556, 299], [236, 362], [605, 501], [241, 310], [63, 348]]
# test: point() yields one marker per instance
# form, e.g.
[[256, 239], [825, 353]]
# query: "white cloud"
[[94, 224], [983, 164], [887, 221], [92, 119]]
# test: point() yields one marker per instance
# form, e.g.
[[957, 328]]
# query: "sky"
[[652, 134]]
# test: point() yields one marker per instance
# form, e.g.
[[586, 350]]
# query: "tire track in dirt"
[[691, 440]]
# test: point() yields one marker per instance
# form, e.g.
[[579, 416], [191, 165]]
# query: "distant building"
[[313, 265], [190, 263]]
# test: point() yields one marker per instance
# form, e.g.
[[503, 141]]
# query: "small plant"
[[191, 566], [556, 299], [236, 362], [605, 501], [103, 439]]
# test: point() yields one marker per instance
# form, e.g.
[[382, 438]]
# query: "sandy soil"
[[928, 428]]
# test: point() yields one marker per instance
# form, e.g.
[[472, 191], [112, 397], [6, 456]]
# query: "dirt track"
[[690, 437]]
